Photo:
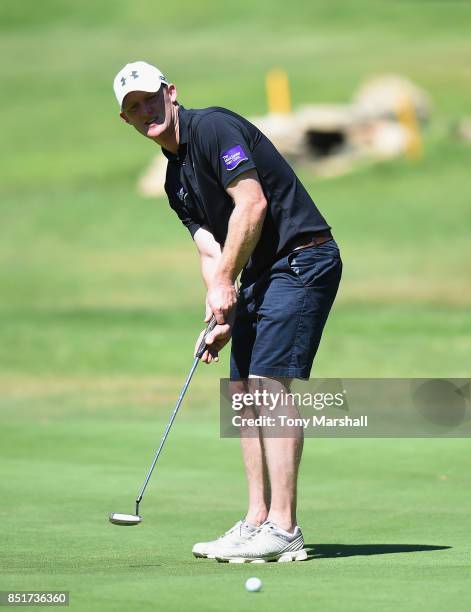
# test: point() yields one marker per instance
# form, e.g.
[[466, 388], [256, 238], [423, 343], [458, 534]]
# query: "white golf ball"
[[253, 585]]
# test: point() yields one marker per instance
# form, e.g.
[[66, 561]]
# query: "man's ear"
[[124, 117], [172, 92]]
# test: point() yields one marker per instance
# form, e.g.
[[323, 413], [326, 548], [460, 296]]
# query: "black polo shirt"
[[216, 146]]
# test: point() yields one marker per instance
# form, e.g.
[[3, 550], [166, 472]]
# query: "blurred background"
[[98, 280], [101, 295]]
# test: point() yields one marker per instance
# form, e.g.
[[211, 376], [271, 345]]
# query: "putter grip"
[[202, 346]]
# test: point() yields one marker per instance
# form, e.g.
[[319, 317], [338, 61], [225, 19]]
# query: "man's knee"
[[270, 381]]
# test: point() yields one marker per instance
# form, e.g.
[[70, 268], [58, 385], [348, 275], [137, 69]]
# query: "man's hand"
[[215, 340], [221, 299]]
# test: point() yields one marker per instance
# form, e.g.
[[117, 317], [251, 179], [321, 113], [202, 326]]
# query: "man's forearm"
[[245, 228], [209, 265]]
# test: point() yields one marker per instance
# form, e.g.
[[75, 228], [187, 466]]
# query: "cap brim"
[[148, 89]]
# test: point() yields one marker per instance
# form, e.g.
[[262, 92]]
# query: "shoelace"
[[266, 525], [236, 527]]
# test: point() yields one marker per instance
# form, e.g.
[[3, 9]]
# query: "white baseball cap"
[[137, 76]]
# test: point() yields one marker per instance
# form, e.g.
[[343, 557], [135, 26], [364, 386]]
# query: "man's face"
[[150, 113]]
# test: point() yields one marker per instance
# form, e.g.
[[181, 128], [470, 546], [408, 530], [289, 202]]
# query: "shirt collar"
[[183, 135]]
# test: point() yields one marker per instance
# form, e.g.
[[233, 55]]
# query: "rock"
[[152, 182], [462, 129], [380, 139], [381, 96], [331, 139], [284, 131]]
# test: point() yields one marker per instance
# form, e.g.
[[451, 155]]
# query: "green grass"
[[388, 532], [101, 299]]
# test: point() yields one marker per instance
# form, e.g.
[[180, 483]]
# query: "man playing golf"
[[247, 212]]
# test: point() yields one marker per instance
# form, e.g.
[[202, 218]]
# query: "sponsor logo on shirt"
[[233, 157], [184, 198]]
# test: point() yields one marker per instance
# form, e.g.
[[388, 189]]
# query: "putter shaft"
[[199, 353]]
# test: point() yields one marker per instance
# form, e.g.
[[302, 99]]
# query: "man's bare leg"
[[282, 457], [257, 480], [254, 462]]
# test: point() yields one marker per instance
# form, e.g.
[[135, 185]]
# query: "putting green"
[[385, 521]]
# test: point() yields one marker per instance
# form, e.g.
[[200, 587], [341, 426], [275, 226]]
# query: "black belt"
[[303, 242]]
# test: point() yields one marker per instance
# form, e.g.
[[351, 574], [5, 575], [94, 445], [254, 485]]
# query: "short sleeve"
[[225, 144]]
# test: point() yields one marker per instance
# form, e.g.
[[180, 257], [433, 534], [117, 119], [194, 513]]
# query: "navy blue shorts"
[[280, 315]]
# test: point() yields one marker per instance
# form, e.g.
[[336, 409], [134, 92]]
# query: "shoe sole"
[[203, 556], [286, 557]]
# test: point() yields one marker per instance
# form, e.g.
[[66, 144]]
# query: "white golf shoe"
[[236, 535], [267, 543]]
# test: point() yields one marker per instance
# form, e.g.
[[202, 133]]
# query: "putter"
[[127, 520]]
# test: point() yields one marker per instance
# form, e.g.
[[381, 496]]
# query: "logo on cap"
[[134, 74]]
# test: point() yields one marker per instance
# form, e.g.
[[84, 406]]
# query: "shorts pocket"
[[315, 265]]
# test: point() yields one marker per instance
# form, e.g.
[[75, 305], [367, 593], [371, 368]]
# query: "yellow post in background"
[[407, 117], [278, 95]]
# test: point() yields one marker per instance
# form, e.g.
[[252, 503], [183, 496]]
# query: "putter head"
[[125, 520]]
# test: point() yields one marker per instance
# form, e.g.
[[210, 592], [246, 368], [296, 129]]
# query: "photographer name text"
[[304, 422]]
